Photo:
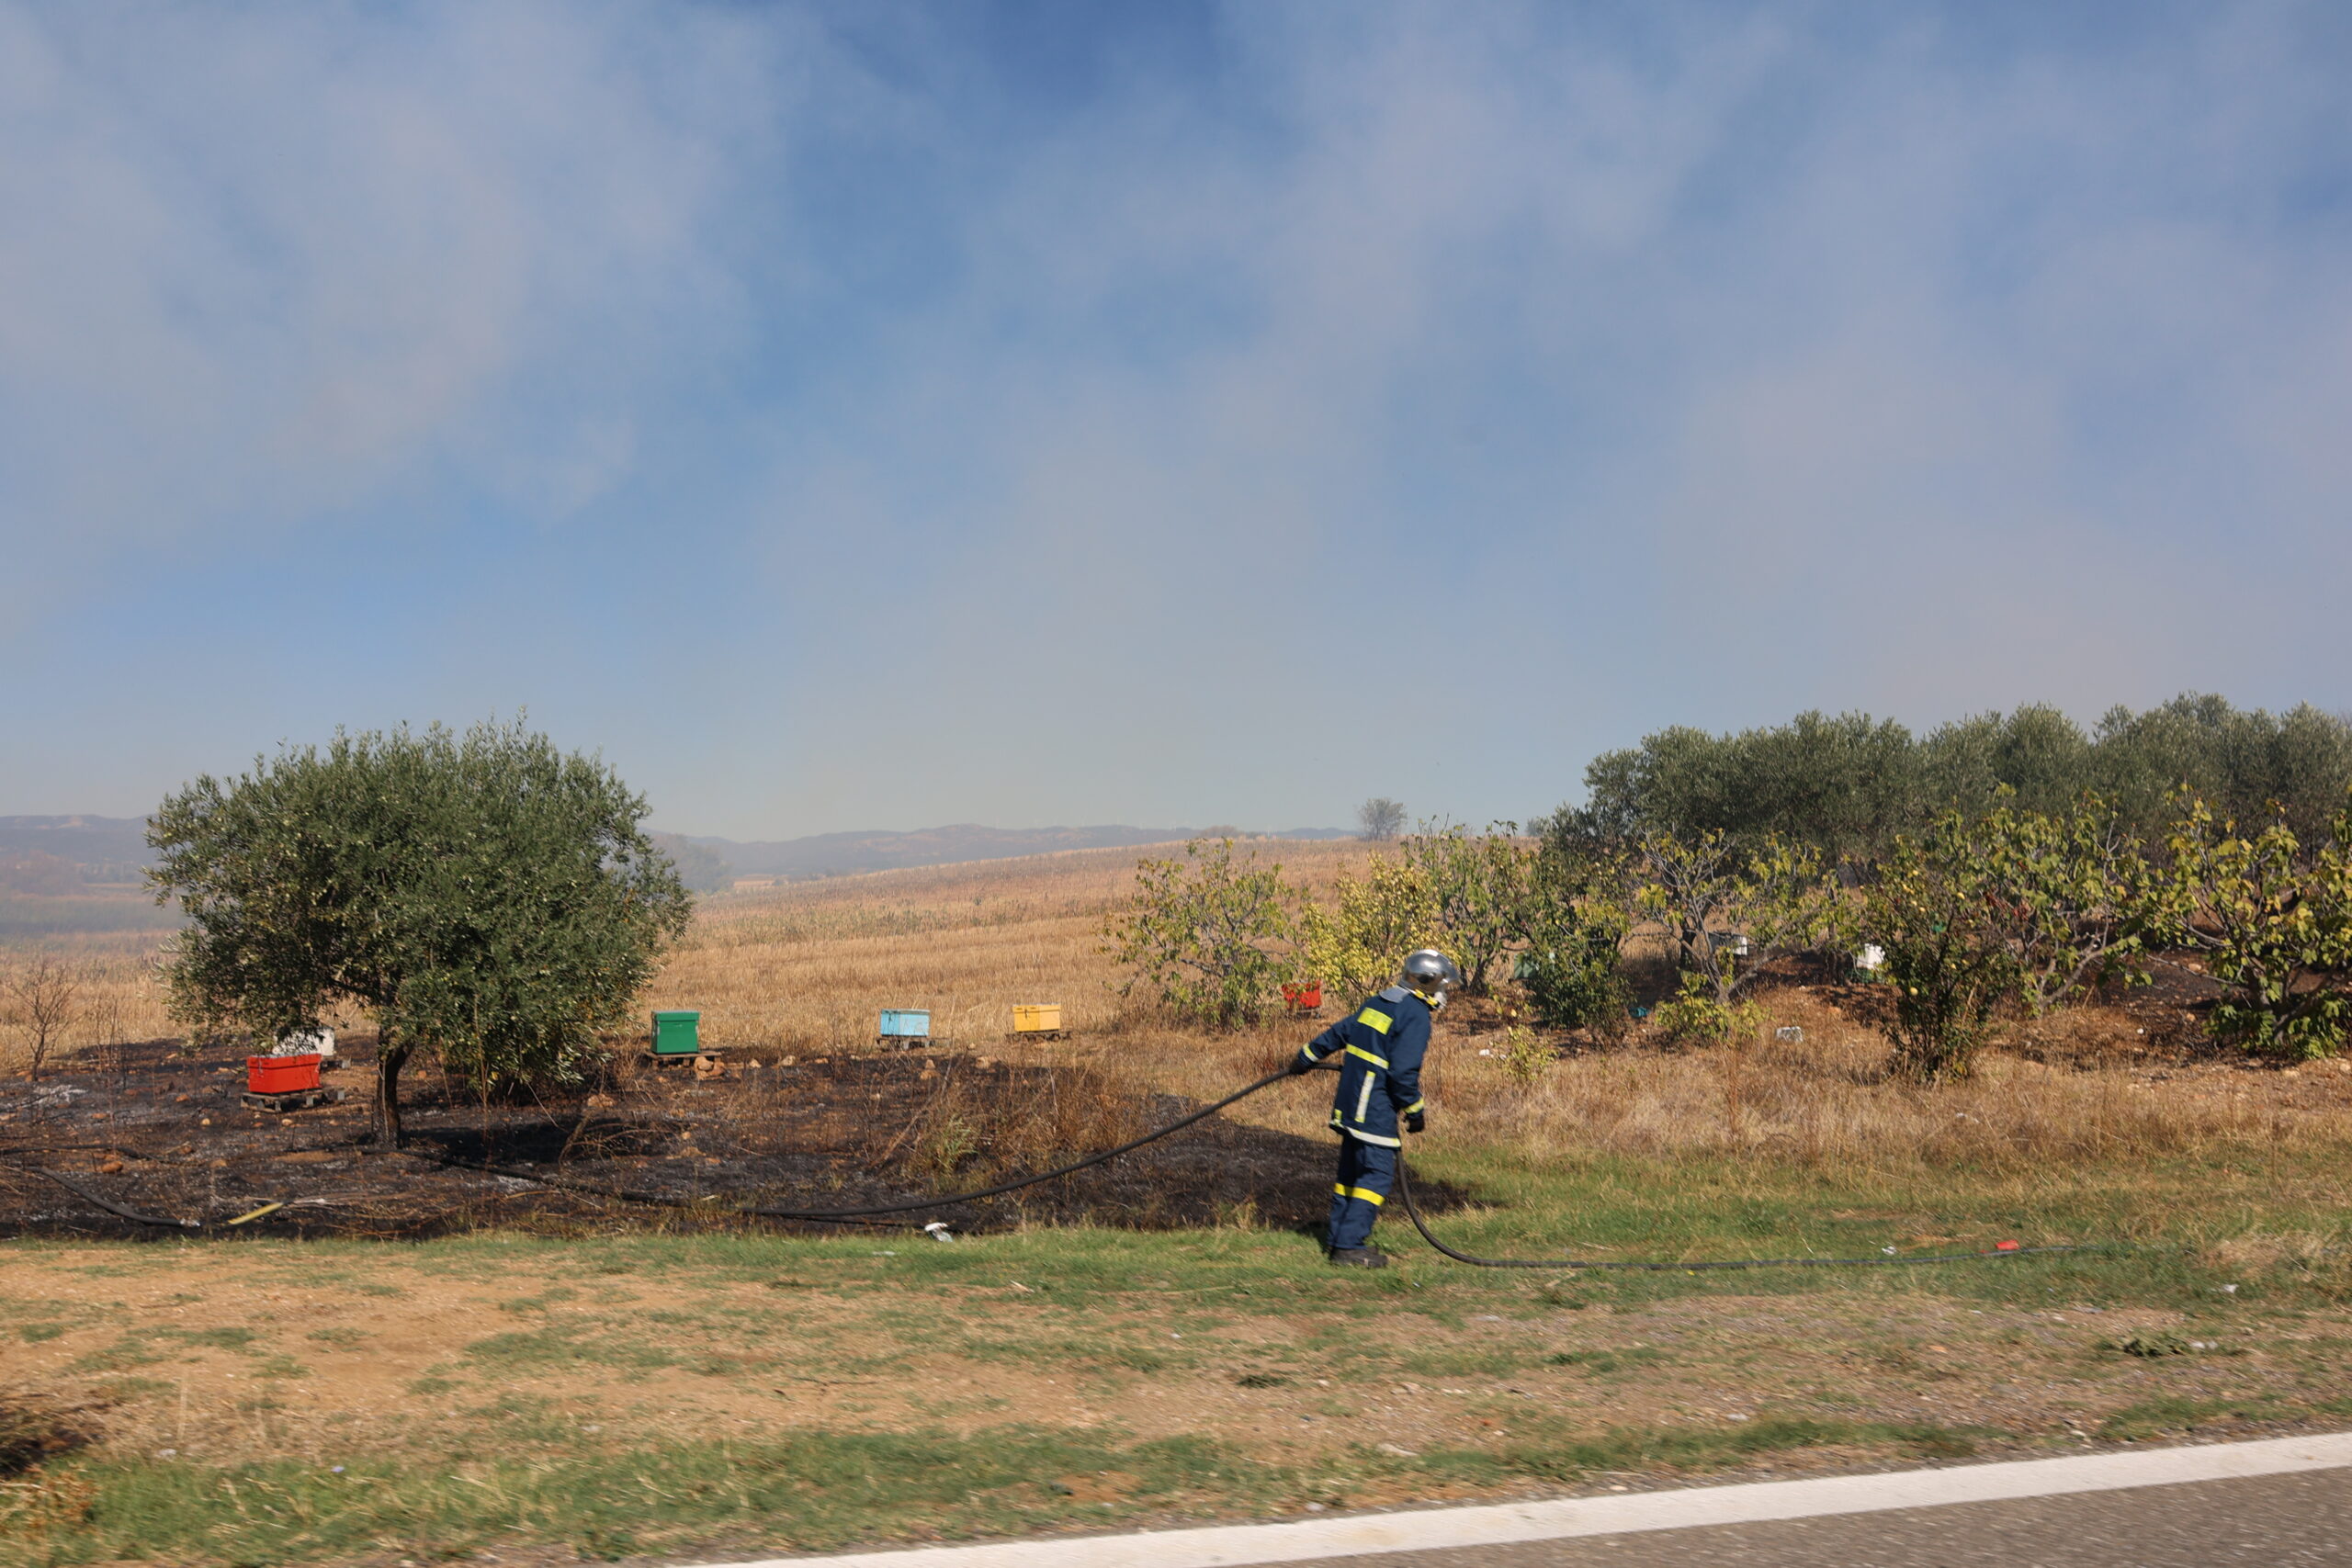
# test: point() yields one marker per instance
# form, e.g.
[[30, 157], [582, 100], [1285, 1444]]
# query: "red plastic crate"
[[281, 1075]]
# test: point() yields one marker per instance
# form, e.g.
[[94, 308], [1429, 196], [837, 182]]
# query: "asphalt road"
[[2278, 1521]]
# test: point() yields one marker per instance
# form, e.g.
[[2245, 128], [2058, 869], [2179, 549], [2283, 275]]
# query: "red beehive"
[[280, 1075]]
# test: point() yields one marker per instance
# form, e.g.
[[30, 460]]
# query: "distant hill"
[[97, 849], [53, 872], [839, 854], [56, 849]]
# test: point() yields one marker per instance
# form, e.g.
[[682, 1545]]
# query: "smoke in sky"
[[875, 415]]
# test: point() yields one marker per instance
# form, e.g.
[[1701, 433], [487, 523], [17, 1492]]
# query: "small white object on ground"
[[937, 1230]]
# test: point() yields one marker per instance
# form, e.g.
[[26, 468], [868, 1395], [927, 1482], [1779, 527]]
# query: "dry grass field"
[[808, 966], [802, 971], [605, 1391], [805, 968]]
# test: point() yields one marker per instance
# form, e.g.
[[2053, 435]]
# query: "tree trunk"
[[390, 1058]]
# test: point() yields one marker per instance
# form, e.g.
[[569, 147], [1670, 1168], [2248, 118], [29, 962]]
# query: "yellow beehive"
[[1037, 1020]]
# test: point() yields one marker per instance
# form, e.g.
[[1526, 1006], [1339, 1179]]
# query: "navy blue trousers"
[[1367, 1175]]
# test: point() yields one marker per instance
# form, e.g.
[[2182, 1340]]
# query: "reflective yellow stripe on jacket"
[[1379, 1023]]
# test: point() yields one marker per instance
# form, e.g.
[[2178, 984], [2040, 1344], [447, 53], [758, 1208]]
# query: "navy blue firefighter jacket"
[[1380, 1074]]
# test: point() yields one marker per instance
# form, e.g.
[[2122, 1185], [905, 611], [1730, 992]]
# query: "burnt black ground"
[[830, 1131]]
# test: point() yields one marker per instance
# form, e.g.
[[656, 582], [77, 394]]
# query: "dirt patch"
[[161, 1132]]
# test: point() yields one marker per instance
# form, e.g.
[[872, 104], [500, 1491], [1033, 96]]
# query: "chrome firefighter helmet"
[[1432, 974]]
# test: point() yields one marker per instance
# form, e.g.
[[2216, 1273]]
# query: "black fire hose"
[[1202, 1114], [112, 1207], [1404, 1191], [871, 1210]]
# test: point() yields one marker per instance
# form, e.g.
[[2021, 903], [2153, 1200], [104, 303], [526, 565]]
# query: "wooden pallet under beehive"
[[1036, 1022], [293, 1100]]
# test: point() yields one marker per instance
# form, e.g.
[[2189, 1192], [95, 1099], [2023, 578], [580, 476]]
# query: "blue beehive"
[[906, 1024]]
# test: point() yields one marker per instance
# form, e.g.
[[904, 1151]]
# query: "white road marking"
[[1429, 1529]]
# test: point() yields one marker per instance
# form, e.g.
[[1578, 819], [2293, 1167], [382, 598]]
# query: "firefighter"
[[1379, 1098]]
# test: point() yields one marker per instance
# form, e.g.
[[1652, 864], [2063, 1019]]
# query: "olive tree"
[[1841, 786], [489, 901], [1847, 785]]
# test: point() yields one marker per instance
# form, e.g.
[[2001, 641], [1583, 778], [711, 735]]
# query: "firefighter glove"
[[1416, 1120], [1301, 1065]]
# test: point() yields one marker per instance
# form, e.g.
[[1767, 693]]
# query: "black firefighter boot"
[[1360, 1256]]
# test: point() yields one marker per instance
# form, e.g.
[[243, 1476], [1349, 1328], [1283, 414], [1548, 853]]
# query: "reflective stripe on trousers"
[[1340, 1126], [1367, 1175]]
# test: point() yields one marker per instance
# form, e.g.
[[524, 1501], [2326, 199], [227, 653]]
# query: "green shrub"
[[2276, 926], [1577, 985], [1946, 952], [1483, 887], [1575, 924], [1524, 1057], [2072, 895], [1696, 1014], [1709, 889], [1201, 934], [1359, 945]]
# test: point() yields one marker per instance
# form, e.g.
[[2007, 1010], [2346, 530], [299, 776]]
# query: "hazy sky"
[[878, 415]]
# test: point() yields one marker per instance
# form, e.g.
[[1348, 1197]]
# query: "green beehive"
[[675, 1033]]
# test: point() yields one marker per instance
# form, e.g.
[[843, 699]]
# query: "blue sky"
[[880, 415]]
